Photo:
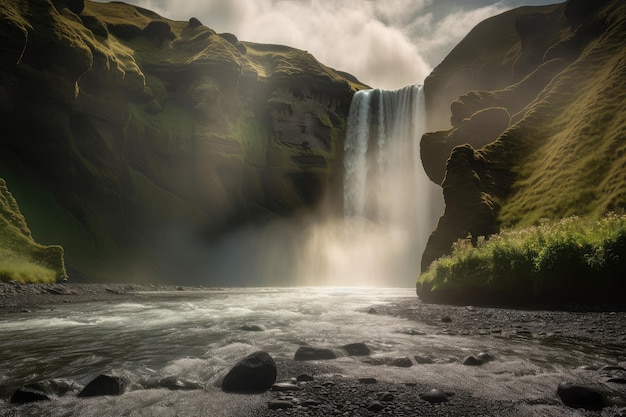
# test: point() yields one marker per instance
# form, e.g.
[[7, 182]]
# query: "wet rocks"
[[285, 386], [367, 380], [172, 383], [26, 395], [401, 362], [357, 349], [375, 406], [581, 396], [254, 373], [478, 360], [435, 396], [309, 353], [104, 385]]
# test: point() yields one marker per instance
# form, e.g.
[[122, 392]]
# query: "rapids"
[[197, 335]]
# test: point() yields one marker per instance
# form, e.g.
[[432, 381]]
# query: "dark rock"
[[581, 396], [194, 22], [613, 368], [254, 373], [435, 396], [401, 362], [304, 378], [385, 396], [446, 319], [372, 310], [485, 357], [252, 328], [357, 349], [58, 387], [375, 406], [279, 405], [309, 353], [104, 385], [285, 386], [76, 6], [423, 360], [367, 380], [25, 395], [158, 31], [472, 361]]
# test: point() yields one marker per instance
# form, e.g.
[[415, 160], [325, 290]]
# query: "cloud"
[[385, 44]]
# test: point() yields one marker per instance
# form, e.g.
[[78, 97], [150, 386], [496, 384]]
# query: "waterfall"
[[384, 181]]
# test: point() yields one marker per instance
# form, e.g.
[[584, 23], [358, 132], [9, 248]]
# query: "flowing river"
[[198, 335]]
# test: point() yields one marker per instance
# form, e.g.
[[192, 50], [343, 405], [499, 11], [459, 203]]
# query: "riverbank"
[[391, 381]]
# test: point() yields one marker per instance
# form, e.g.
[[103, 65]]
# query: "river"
[[198, 335]]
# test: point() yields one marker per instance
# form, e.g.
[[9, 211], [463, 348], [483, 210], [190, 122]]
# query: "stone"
[[435, 396], [279, 405], [304, 378], [581, 396], [285, 386], [385, 396], [254, 373], [423, 360], [104, 385], [375, 406], [367, 380], [357, 349], [472, 361], [446, 319], [485, 357], [412, 332], [25, 395], [372, 310], [401, 362], [309, 353]]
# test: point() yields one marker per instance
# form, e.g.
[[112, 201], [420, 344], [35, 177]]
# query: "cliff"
[[534, 101], [121, 127]]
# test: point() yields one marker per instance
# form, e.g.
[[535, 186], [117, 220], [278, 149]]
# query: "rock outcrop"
[[536, 125], [121, 125]]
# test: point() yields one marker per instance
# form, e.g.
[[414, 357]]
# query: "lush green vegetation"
[[571, 260]]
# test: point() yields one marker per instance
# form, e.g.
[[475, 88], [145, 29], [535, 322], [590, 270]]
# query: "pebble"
[[446, 319], [435, 396], [401, 362], [279, 405], [375, 406], [285, 386], [367, 380], [385, 396]]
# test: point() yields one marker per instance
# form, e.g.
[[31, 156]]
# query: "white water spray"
[[384, 179]]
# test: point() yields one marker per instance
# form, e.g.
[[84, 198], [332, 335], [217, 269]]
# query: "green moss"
[[21, 259]]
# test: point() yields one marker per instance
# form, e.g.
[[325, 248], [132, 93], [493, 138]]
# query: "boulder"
[[357, 349], [104, 385], [25, 395], [309, 353], [581, 396], [254, 373]]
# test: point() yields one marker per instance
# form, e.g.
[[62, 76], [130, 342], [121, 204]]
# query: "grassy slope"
[[21, 259], [563, 155]]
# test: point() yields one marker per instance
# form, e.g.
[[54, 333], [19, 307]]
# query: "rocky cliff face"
[[121, 126], [529, 108]]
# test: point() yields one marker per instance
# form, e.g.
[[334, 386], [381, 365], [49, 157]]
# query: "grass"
[[569, 260]]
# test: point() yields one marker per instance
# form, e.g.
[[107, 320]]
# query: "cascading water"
[[384, 180]]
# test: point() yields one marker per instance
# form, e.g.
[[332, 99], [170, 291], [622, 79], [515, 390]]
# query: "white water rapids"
[[198, 336]]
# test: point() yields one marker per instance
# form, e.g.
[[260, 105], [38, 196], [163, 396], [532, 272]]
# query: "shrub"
[[570, 260]]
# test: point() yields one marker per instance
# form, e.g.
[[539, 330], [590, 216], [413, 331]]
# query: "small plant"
[[569, 260]]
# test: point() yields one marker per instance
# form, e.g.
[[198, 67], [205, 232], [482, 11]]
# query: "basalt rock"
[[104, 385], [309, 353], [122, 127], [254, 373]]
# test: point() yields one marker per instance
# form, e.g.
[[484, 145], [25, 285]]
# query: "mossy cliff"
[[121, 126], [536, 124]]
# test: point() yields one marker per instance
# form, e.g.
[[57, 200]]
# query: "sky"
[[384, 43]]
